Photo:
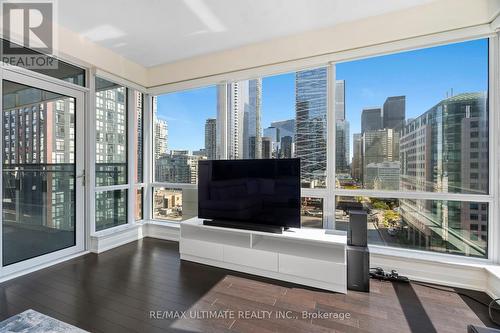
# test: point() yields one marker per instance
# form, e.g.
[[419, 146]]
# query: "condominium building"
[[177, 167], [160, 132], [38, 154], [111, 134]]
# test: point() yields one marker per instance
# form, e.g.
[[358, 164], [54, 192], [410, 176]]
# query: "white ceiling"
[[152, 32]]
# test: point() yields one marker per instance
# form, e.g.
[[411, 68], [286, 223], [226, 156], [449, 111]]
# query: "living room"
[[243, 166]]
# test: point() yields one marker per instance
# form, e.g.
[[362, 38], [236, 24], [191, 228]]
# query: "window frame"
[[330, 192], [131, 186]]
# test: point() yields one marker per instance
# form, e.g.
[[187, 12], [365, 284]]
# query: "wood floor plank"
[[120, 290]]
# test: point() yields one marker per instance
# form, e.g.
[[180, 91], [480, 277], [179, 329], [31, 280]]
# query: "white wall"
[[434, 17], [77, 49]]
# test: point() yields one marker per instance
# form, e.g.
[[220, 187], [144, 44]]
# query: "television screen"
[[251, 191]]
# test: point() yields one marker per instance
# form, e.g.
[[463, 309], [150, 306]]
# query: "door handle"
[[82, 176]]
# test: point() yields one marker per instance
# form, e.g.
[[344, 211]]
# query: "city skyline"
[[187, 111]]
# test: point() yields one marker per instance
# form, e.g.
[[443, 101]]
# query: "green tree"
[[390, 217], [380, 205]]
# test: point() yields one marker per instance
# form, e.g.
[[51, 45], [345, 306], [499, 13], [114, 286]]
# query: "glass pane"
[[139, 130], [63, 70], [419, 121], [138, 204], [281, 116], [174, 204], [447, 226], [311, 212], [185, 131], [111, 133], [110, 209], [38, 175]]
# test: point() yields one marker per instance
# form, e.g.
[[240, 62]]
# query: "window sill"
[[428, 257], [166, 224]]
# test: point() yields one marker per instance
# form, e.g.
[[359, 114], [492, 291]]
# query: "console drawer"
[[309, 268], [201, 249], [251, 257]]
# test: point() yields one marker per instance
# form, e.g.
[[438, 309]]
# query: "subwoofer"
[[358, 268]]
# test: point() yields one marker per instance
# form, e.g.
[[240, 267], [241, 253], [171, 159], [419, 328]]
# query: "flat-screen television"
[[260, 192]]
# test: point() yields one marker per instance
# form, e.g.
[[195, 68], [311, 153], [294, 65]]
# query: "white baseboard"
[[106, 241], [449, 274], [484, 278], [162, 231]]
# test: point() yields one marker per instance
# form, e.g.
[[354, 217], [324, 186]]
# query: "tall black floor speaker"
[[358, 268], [358, 256], [357, 231]]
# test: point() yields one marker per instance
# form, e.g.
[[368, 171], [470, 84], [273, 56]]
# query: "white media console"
[[304, 256]]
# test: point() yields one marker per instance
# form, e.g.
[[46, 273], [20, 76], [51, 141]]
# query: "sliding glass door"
[[42, 172]]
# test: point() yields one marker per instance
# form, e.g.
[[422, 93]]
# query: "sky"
[[423, 76]]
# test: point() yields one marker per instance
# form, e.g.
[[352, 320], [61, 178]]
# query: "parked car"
[[392, 231]]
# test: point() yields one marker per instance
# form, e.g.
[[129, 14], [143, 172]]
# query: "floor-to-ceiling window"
[[417, 123], [111, 152], [404, 137], [185, 131]]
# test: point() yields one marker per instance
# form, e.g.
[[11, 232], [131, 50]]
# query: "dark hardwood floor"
[[118, 291]]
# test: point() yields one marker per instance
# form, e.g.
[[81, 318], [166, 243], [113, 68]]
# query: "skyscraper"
[[310, 136], [243, 118], [342, 130], [273, 134], [340, 100], [394, 113], [342, 146], [266, 147], [211, 138], [161, 137], [286, 127], [379, 146], [357, 157], [456, 127], [446, 150], [252, 115], [286, 147], [160, 132], [371, 119]]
